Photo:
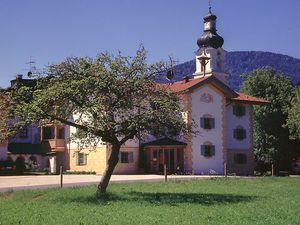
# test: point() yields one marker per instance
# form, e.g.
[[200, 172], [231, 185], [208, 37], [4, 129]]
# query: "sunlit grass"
[[214, 201]]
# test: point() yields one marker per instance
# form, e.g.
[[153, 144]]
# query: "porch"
[[167, 152]]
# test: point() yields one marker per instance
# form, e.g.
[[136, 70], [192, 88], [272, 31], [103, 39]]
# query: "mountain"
[[242, 62]]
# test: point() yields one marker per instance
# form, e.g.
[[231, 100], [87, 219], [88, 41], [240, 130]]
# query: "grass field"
[[215, 201]]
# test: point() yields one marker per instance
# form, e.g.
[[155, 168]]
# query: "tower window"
[[239, 133], [207, 122], [207, 150], [239, 110]]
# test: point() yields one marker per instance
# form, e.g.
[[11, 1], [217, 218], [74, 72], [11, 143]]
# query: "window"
[[239, 110], [207, 122], [48, 133], [61, 133], [126, 157], [239, 133], [81, 159], [207, 150], [240, 158]]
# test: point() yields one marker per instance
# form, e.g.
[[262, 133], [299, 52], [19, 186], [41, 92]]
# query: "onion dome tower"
[[210, 45], [210, 38]]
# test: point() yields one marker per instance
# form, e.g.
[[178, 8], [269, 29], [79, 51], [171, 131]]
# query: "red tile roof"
[[247, 98], [181, 86]]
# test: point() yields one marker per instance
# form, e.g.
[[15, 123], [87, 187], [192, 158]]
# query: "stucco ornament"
[[207, 98]]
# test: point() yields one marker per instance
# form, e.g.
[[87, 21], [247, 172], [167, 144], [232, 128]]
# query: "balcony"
[[53, 138]]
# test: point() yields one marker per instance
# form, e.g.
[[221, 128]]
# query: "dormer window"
[[239, 133], [207, 122], [239, 110]]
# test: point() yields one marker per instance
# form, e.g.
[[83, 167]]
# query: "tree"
[[112, 98], [271, 138], [293, 119]]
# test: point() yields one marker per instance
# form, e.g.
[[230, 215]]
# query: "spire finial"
[[209, 5]]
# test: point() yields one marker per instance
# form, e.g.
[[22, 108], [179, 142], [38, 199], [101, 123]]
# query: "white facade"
[[215, 136]]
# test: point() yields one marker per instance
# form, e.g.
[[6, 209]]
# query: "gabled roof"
[[249, 99], [164, 141], [187, 85], [190, 85]]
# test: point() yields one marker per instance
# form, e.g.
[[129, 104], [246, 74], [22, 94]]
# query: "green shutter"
[[202, 149], [212, 123], [130, 157], [244, 133], [202, 122], [84, 159], [235, 133], [234, 109], [243, 110], [213, 152], [77, 158]]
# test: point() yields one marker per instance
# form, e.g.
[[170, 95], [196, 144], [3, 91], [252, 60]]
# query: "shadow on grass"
[[163, 198]]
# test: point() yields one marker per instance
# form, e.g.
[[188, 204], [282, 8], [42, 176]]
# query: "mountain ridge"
[[241, 62]]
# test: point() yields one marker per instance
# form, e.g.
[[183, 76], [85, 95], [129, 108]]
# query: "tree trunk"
[[111, 164]]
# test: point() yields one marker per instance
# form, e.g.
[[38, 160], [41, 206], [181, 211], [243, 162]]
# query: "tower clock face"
[[209, 25]]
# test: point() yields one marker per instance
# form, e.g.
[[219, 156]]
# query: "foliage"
[[215, 201], [271, 138], [293, 120]]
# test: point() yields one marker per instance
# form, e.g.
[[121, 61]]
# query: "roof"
[[164, 141], [26, 148], [249, 99], [192, 84], [185, 86]]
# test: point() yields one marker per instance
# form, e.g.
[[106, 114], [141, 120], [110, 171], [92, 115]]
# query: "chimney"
[[186, 79], [19, 77]]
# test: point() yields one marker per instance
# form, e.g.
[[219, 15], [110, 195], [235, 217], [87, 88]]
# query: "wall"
[[33, 136], [232, 122], [3, 151], [201, 164], [128, 168], [96, 160]]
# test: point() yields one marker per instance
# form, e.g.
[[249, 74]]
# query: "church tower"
[[210, 57]]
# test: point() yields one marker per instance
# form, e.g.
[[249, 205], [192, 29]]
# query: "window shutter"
[[212, 123], [202, 149], [130, 156], [234, 110], [202, 122], [77, 158], [244, 133], [243, 111], [213, 150], [84, 159], [235, 133], [119, 157]]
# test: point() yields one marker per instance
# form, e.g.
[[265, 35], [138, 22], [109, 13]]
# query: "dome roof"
[[210, 38]]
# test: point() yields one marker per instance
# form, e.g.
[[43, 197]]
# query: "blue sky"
[[50, 31]]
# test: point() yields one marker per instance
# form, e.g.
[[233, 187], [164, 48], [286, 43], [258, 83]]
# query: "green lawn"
[[215, 201]]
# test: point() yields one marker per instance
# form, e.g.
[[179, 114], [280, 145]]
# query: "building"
[[223, 117]]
